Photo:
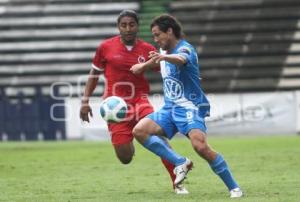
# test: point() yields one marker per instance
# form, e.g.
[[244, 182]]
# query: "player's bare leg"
[[215, 160], [124, 152], [200, 145]]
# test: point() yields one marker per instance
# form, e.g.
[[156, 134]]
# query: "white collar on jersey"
[[129, 47]]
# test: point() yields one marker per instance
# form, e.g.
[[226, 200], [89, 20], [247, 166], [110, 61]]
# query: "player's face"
[[161, 38], [128, 29]]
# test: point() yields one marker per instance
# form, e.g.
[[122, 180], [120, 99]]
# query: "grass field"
[[267, 168]]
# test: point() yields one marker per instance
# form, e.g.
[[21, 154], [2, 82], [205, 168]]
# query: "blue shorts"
[[178, 119]]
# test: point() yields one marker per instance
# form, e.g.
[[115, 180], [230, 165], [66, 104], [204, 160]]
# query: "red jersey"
[[113, 57]]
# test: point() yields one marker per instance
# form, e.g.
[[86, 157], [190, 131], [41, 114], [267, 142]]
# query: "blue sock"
[[158, 146], [219, 166]]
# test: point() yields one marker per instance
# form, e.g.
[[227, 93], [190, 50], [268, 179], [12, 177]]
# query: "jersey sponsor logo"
[[117, 57], [173, 88], [141, 59]]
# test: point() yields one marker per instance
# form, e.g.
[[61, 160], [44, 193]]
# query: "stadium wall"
[[231, 114], [298, 111], [253, 114]]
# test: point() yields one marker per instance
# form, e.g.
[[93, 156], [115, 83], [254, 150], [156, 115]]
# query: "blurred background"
[[249, 53]]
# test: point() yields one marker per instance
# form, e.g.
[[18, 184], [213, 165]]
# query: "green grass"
[[267, 168]]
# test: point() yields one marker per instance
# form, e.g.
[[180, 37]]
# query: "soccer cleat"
[[182, 170], [180, 189], [236, 193]]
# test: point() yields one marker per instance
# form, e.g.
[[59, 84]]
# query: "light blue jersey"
[[181, 84], [185, 103]]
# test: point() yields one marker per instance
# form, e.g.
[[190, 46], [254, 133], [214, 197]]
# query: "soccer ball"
[[113, 109]]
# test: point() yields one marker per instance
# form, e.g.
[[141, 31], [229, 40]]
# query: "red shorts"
[[121, 133]]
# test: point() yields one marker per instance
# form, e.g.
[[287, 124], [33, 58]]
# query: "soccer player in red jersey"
[[114, 58]]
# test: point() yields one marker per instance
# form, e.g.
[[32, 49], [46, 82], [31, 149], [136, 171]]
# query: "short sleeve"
[[185, 52], [99, 59]]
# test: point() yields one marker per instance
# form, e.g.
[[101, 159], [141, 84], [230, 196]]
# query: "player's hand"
[[137, 68], [85, 111], [156, 57]]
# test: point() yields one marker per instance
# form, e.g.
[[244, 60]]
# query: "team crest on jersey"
[[141, 59], [185, 50]]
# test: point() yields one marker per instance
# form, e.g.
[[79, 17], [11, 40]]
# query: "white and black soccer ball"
[[113, 109]]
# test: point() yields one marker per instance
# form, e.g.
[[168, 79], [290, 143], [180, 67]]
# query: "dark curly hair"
[[166, 21]]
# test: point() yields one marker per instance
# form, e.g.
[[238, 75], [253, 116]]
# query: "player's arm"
[[90, 86], [176, 59], [141, 67]]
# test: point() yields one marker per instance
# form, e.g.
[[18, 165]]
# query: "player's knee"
[[138, 132], [125, 160], [125, 153]]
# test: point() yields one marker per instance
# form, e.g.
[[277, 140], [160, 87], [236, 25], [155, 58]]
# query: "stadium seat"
[[53, 39], [241, 44], [42, 43]]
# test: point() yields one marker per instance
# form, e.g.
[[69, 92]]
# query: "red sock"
[[170, 167]]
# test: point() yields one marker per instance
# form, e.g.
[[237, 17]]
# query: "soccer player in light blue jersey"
[[186, 105]]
